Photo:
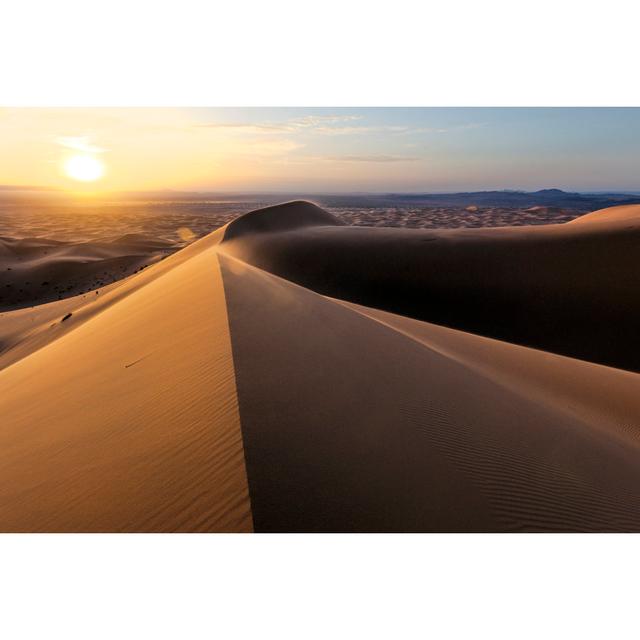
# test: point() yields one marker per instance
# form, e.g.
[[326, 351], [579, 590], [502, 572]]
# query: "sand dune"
[[129, 421], [222, 389], [567, 288], [37, 270], [612, 216], [55, 249]]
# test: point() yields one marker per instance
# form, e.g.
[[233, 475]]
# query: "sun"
[[84, 167]]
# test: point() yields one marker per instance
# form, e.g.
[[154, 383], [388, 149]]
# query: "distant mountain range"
[[582, 202], [520, 199]]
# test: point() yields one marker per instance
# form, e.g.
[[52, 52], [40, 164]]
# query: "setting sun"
[[85, 168]]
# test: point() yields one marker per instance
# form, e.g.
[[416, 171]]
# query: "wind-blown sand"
[[259, 379]]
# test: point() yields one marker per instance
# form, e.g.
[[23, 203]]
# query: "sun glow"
[[84, 167]]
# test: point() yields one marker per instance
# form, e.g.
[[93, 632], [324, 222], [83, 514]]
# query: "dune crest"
[[128, 419], [291, 215], [611, 215]]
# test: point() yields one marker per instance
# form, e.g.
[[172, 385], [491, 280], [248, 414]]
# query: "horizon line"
[[9, 188]]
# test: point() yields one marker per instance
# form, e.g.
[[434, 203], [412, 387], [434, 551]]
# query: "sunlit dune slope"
[[128, 420], [209, 393], [627, 214]]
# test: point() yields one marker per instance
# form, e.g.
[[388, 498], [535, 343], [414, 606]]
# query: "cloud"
[[318, 121], [329, 125], [372, 158], [426, 130], [245, 127], [78, 144], [343, 131], [339, 131], [458, 127], [325, 124]]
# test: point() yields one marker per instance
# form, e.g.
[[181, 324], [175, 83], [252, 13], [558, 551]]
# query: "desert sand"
[[292, 373], [54, 247], [36, 270]]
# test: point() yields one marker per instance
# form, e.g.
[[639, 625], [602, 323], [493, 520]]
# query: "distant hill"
[[523, 199], [582, 202]]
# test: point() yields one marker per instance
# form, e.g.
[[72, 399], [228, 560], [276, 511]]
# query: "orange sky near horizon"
[[168, 148], [139, 149]]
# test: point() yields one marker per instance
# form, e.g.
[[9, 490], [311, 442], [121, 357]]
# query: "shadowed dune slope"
[[570, 288], [210, 394], [356, 422]]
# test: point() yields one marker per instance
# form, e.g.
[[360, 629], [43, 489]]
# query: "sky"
[[320, 150]]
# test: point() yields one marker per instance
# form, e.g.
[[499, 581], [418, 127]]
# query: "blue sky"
[[427, 149]]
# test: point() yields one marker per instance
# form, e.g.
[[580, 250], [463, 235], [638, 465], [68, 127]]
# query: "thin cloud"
[[337, 131], [426, 130], [318, 121], [78, 144], [329, 124], [246, 127], [372, 158], [459, 127], [343, 131]]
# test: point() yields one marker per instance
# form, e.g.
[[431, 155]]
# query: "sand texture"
[[289, 373]]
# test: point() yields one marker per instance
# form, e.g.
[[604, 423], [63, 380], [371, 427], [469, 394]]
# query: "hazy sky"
[[316, 150]]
